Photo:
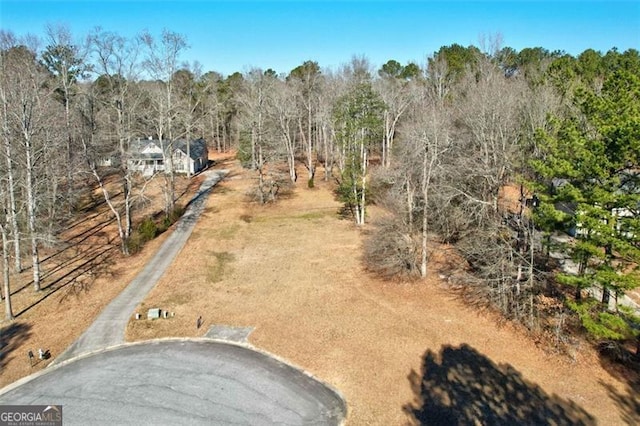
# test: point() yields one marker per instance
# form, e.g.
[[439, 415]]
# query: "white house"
[[150, 156]]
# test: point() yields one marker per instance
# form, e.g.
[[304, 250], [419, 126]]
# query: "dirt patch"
[[293, 271]]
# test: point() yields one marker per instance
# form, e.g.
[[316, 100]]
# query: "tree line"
[[438, 145]]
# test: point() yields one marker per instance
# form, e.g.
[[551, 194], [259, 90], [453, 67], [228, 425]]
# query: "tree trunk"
[[606, 297], [423, 248], [69, 148], [123, 231], [425, 233], [254, 159], [13, 216], [384, 139], [328, 156], [606, 292], [410, 196], [5, 275], [260, 166], [291, 161], [582, 266], [310, 160], [290, 146], [127, 211], [168, 176], [31, 213], [357, 206], [363, 200], [189, 154]]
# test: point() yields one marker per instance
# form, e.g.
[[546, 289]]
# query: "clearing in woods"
[[397, 351]]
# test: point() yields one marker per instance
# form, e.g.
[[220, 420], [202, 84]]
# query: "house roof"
[[140, 148], [197, 147]]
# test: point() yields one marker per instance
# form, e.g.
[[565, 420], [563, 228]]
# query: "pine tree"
[[590, 167]]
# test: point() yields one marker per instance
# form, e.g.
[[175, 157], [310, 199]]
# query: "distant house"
[[150, 156], [624, 216]]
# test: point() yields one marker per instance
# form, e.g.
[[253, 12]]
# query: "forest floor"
[[397, 351]]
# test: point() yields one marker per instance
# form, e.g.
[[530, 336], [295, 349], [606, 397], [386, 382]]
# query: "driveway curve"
[[183, 382], [109, 327]]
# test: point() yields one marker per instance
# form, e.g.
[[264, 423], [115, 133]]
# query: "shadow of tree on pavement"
[[11, 336], [460, 386]]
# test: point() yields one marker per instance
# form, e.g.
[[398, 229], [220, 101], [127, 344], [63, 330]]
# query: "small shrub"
[[135, 242], [172, 218], [390, 252], [272, 187], [176, 214], [310, 183], [244, 150], [148, 229]]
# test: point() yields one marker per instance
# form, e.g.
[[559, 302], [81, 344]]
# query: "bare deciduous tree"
[[65, 61], [307, 79], [264, 120], [161, 63], [116, 62], [8, 43], [283, 113], [397, 94], [4, 232], [29, 112], [428, 140]]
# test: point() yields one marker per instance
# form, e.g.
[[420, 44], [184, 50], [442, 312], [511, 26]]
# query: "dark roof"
[[197, 147]]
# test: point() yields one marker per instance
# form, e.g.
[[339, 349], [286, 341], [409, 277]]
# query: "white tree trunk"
[[31, 212], [11, 187], [363, 200], [5, 274], [310, 160], [425, 197], [13, 216], [122, 232]]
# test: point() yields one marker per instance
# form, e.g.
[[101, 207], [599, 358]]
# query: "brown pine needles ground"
[[293, 271]]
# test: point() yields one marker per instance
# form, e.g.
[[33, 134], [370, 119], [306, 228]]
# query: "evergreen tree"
[[358, 115], [593, 160]]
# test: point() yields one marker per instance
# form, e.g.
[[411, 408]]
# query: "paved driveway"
[[108, 329], [181, 382]]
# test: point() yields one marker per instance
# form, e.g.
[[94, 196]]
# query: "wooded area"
[[439, 145]]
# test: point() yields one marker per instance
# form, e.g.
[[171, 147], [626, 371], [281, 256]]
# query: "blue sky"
[[229, 36]]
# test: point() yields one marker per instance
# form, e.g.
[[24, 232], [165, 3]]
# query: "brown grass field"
[[293, 271]]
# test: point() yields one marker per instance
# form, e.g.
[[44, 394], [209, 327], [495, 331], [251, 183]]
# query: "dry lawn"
[[292, 271]]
